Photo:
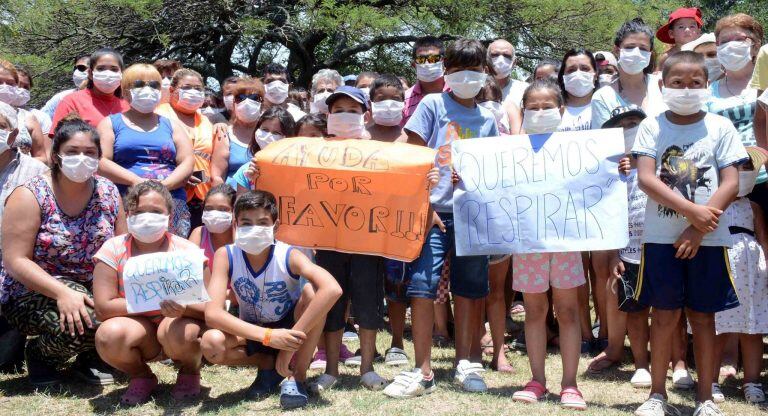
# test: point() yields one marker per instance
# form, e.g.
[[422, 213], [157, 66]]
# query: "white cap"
[[705, 38], [609, 57]]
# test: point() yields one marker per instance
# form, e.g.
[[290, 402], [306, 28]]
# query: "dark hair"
[[427, 42], [209, 93], [229, 80], [386, 80], [636, 25], [464, 53], [142, 188], [544, 84], [63, 132], [274, 113], [547, 62], [366, 74], [166, 65], [88, 57], [223, 189], [561, 71], [100, 53], [490, 91], [684, 57], [255, 200], [21, 70], [318, 120], [275, 68]]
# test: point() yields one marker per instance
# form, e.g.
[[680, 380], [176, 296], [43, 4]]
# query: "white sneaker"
[[717, 394], [641, 379], [707, 409], [323, 383], [753, 393], [373, 381], [656, 405], [410, 384], [681, 379], [468, 377]]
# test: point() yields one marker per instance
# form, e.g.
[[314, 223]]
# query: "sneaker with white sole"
[[323, 383], [753, 392], [656, 405], [717, 393], [707, 408], [410, 384], [467, 376], [681, 379], [641, 379], [372, 381]]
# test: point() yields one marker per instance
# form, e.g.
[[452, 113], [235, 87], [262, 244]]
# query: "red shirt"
[[90, 107], [413, 97]]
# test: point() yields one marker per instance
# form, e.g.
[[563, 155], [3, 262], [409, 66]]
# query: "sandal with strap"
[[531, 393], [753, 392], [571, 398], [139, 391], [187, 386]]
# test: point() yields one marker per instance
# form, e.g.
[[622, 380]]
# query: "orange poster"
[[355, 196]]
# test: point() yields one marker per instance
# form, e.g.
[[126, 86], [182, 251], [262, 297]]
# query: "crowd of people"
[[145, 159]]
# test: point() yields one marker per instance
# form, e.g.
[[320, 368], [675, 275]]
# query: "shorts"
[[536, 272], [469, 274], [395, 282], [361, 279], [255, 347], [703, 284], [626, 289]]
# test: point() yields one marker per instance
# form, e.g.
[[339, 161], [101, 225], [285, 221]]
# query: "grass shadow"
[[19, 386]]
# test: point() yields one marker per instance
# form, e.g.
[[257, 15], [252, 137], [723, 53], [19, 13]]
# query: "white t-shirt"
[[513, 92], [576, 118], [688, 160], [637, 203], [606, 99]]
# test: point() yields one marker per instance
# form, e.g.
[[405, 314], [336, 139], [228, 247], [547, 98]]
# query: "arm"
[[414, 138], [41, 145], [107, 167], [327, 290], [759, 124], [196, 236], [220, 156], [515, 117], [761, 233], [106, 297], [121, 226], [185, 160]]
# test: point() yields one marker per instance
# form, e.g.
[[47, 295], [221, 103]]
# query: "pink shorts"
[[535, 273]]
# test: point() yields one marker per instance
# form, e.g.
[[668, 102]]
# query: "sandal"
[[753, 392], [531, 393], [571, 398], [187, 386], [600, 364], [139, 391]]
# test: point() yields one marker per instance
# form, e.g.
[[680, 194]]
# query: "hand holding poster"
[[356, 196], [149, 279], [540, 193]]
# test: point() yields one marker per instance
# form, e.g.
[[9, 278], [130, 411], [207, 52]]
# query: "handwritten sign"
[[355, 196], [540, 193], [149, 279]]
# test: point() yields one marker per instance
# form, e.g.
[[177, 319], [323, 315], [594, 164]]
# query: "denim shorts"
[[395, 281], [469, 274]]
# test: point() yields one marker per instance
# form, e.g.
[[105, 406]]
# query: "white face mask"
[[735, 55], [607, 79], [107, 81], [5, 135], [254, 239], [429, 72], [145, 99], [78, 77], [78, 168], [495, 108], [714, 69], [634, 61], [217, 222], [248, 111], [346, 125], [263, 138], [503, 66], [318, 102], [466, 84], [209, 111], [276, 92], [7, 94], [229, 102], [148, 227], [685, 101], [387, 112], [747, 181], [629, 138], [579, 83], [541, 121], [22, 97], [190, 99], [165, 84]]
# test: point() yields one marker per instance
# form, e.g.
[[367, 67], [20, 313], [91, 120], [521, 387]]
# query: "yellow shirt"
[[760, 76], [202, 148]]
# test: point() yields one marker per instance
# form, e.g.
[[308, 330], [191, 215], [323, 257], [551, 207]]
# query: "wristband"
[[267, 336]]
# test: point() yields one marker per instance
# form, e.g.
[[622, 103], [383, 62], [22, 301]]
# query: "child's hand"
[[436, 221], [616, 266], [688, 243], [286, 339], [625, 166], [283, 363], [433, 176], [252, 172], [171, 309], [703, 217], [455, 178]]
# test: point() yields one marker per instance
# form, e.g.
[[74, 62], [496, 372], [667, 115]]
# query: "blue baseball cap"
[[354, 93]]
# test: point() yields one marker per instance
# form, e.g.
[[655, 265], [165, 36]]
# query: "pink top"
[[207, 245], [90, 107], [413, 97]]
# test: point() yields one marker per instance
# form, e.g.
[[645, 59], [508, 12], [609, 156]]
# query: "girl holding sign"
[[129, 341]]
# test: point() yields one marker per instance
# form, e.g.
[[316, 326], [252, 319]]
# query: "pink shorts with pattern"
[[535, 273]]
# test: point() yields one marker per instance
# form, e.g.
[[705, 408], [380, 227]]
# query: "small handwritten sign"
[[149, 279]]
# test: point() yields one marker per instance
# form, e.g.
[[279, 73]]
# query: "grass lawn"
[[223, 393]]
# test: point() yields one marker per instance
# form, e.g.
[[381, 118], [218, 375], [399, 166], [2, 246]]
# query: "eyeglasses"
[[428, 59], [243, 97], [81, 68], [140, 83]]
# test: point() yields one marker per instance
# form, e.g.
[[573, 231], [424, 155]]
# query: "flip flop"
[[598, 365]]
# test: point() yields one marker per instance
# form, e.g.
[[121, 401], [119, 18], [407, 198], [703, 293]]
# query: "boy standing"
[[686, 160]]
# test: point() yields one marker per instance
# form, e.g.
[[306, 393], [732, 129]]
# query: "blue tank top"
[[238, 156], [148, 154]]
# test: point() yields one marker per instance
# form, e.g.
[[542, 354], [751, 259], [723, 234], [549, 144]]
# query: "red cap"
[[691, 12]]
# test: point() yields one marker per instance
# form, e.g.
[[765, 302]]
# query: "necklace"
[[727, 88]]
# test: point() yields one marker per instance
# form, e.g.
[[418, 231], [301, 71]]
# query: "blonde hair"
[[137, 72], [7, 66]]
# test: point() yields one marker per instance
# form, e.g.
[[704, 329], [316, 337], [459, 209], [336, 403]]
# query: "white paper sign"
[[540, 193], [149, 279]]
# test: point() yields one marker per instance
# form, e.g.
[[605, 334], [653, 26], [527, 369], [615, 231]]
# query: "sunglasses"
[[428, 59], [81, 68], [139, 83], [243, 97]]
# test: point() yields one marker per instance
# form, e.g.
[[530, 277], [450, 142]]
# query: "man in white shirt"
[[502, 54]]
